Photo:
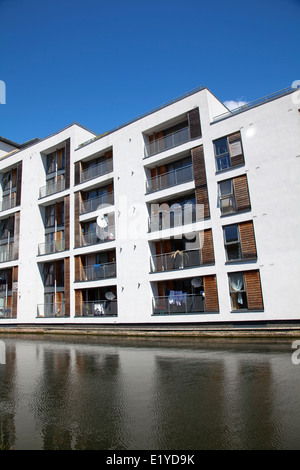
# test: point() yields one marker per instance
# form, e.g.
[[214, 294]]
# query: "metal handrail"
[[175, 260], [8, 203], [98, 271], [52, 188], [100, 308], [51, 247], [99, 169], [92, 204], [170, 178], [97, 236], [167, 142], [173, 218], [51, 310], [254, 103], [178, 303]]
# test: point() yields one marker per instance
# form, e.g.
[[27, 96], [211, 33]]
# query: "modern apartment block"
[[186, 214]]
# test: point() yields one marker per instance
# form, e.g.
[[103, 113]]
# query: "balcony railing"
[[8, 203], [100, 308], [97, 272], [172, 178], [92, 204], [167, 142], [169, 219], [5, 311], [99, 169], [52, 247], [175, 260], [178, 303], [97, 236], [51, 310], [52, 188], [8, 252]]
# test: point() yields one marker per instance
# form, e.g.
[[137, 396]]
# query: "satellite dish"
[[109, 296], [102, 221], [197, 282]]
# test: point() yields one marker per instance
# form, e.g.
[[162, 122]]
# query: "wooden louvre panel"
[[253, 289], [14, 305], [207, 250], [60, 153], [59, 213], [19, 184], [67, 164], [78, 303], [77, 230], [247, 239], [242, 198], [200, 180], [67, 286], [77, 172], [16, 234], [194, 123], [67, 221], [236, 149], [78, 268], [211, 293], [158, 257]]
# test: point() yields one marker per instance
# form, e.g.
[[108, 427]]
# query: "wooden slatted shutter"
[[207, 250], [242, 198], [14, 306], [16, 235], [247, 239], [236, 149], [253, 289], [211, 293], [19, 184], [67, 221], [67, 164], [67, 286], [78, 303], [194, 123], [77, 172], [77, 262], [77, 231], [200, 179]]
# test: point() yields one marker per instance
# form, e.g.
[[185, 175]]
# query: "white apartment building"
[[186, 214]]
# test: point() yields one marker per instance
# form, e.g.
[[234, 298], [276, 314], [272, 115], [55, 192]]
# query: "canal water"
[[61, 392]]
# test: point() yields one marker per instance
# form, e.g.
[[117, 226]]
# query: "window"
[[238, 291], [222, 154], [51, 163], [50, 216], [228, 151], [232, 242], [226, 197]]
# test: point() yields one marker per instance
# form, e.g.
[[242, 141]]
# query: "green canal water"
[[60, 392]]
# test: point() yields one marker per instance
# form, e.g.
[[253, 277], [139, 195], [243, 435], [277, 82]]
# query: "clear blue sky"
[[102, 63]]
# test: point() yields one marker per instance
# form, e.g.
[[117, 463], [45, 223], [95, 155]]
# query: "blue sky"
[[102, 63]]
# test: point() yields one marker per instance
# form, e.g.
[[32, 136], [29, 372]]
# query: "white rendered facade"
[[52, 273]]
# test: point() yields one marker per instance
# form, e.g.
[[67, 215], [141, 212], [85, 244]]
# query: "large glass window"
[[226, 197], [237, 291], [222, 154], [232, 242]]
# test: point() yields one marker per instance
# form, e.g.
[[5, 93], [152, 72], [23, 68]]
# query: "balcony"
[[169, 179], [100, 308], [52, 188], [8, 203], [99, 235], [178, 304], [167, 142], [52, 247], [94, 203], [51, 310], [97, 170], [8, 253], [175, 260], [98, 272]]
